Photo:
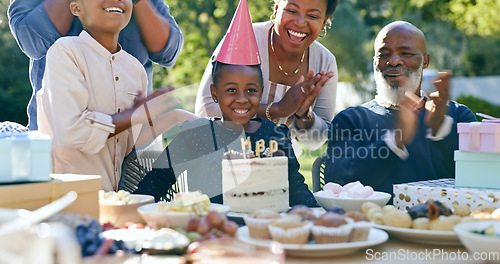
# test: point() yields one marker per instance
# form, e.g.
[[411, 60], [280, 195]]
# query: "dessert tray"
[[375, 237], [430, 237]]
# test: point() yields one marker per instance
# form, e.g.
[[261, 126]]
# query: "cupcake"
[[290, 229], [332, 228], [360, 228], [303, 211], [258, 221]]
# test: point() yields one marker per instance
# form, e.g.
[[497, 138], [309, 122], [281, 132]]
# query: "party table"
[[397, 251], [392, 251]]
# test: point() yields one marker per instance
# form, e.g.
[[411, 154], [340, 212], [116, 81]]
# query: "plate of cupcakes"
[[305, 234]]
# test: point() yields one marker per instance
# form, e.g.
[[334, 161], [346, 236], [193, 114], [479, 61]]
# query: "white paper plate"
[[430, 237], [163, 240], [375, 237], [158, 219]]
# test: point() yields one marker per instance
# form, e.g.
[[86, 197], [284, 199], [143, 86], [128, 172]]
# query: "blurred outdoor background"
[[462, 35]]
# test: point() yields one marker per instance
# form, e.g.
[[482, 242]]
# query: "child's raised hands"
[[144, 109]]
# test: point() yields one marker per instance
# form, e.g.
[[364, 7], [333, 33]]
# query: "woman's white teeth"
[[114, 9], [296, 34], [241, 111]]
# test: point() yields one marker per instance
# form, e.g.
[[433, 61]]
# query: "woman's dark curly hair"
[[331, 5]]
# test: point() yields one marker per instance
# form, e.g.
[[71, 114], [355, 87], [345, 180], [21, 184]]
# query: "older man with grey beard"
[[403, 135]]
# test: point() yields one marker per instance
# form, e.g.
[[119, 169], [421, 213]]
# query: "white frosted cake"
[[256, 183]]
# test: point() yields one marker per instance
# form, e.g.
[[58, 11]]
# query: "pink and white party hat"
[[239, 46]]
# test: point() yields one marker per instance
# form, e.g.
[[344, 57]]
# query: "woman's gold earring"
[[215, 100], [273, 17], [324, 31]]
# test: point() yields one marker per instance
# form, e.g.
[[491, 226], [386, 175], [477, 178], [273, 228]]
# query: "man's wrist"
[[398, 138], [436, 125], [391, 138], [443, 130]]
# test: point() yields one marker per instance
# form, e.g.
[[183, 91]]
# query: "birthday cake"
[[250, 183]]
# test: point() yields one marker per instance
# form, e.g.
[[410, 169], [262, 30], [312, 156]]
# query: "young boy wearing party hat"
[[92, 95], [199, 147]]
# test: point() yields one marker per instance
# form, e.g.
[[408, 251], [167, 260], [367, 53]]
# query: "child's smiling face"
[[107, 16], [238, 90]]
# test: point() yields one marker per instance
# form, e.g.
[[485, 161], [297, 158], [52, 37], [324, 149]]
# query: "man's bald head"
[[402, 27], [400, 57]]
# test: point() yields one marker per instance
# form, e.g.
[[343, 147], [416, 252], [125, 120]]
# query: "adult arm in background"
[[37, 24], [159, 31]]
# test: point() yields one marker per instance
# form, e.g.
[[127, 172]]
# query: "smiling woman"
[[300, 75]]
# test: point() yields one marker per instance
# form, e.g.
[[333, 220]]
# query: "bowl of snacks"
[[120, 207], [349, 197], [178, 212], [480, 236]]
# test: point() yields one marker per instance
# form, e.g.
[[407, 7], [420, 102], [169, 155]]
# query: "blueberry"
[[337, 210]]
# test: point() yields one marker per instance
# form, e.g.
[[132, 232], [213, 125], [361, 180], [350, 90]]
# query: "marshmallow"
[[344, 195], [351, 185], [364, 192], [351, 190], [333, 187]]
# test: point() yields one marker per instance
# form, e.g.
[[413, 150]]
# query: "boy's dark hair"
[[218, 66]]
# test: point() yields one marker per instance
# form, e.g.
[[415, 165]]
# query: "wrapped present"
[[410, 194], [25, 157], [32, 196], [477, 169], [480, 136]]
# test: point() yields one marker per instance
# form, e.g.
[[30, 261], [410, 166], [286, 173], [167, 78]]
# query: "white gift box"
[[410, 194], [25, 157]]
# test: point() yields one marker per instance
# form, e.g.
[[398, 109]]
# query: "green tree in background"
[[15, 87], [476, 17], [462, 35]]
